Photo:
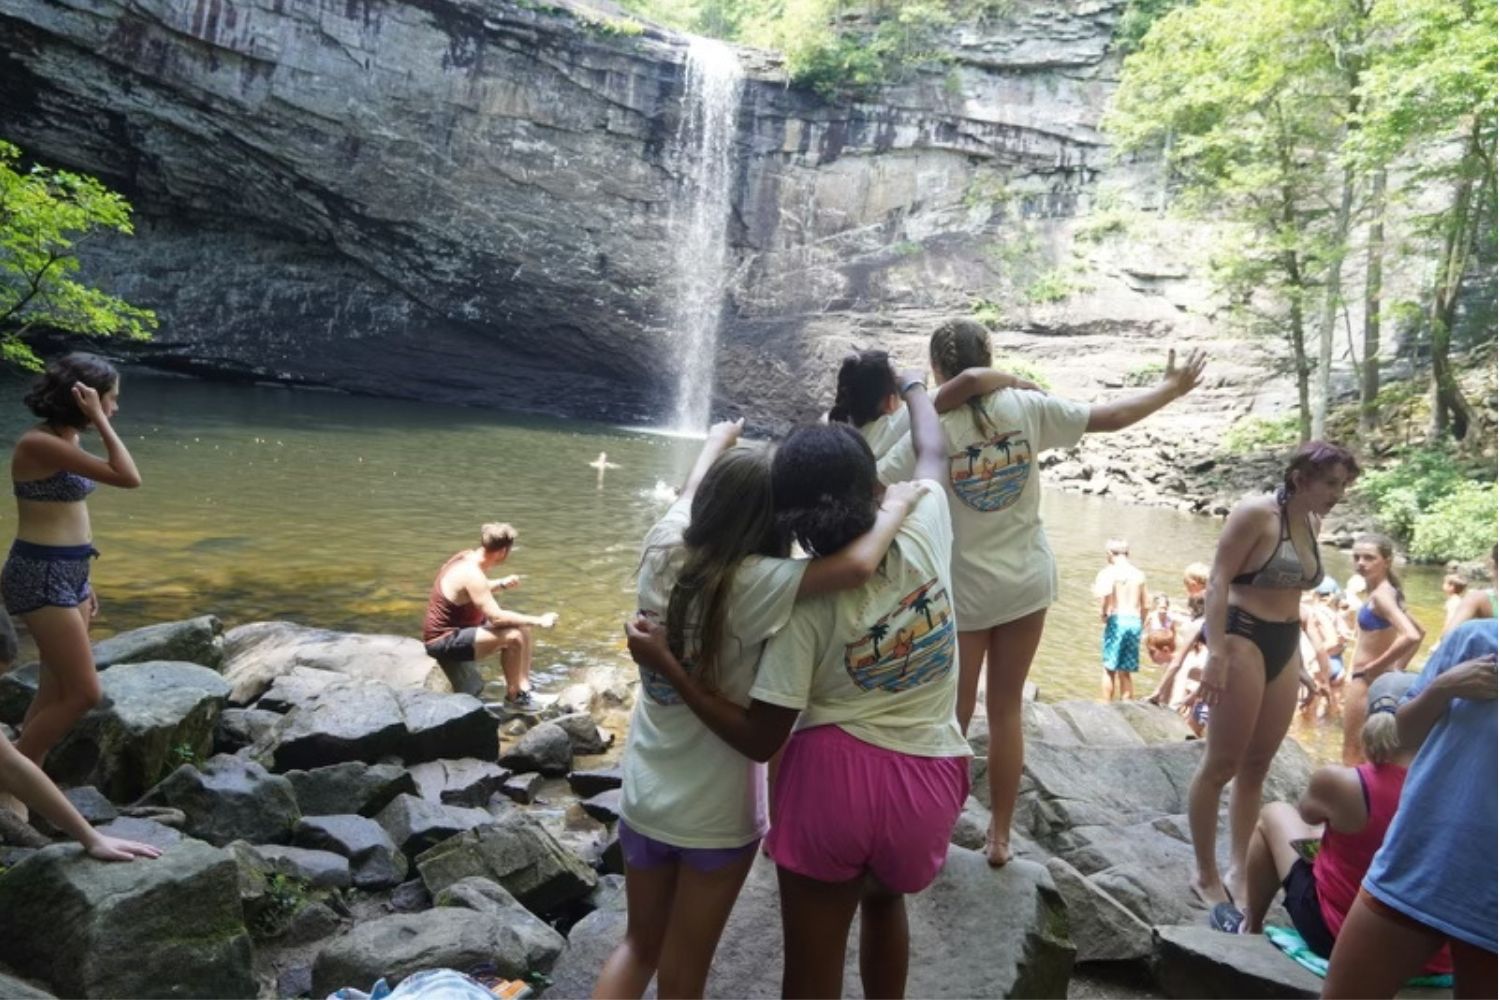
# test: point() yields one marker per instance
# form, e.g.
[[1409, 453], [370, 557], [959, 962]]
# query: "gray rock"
[[347, 721], [350, 787], [320, 869], [228, 799], [15, 988], [463, 676], [151, 714], [584, 732], [242, 727], [165, 815], [515, 851], [258, 653], [1097, 724], [536, 945], [1201, 962], [17, 688], [145, 830], [605, 807], [415, 824], [394, 947], [576, 699], [90, 803], [466, 782], [522, 788], [295, 981], [374, 860], [609, 894], [1101, 929], [589, 783], [197, 640], [546, 748], [313, 921], [168, 927], [1153, 723], [410, 897], [976, 932], [12, 855], [446, 725], [295, 688]]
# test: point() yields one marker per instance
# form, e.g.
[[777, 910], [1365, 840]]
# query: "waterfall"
[[700, 213]]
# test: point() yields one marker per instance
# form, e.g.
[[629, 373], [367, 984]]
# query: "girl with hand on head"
[[1267, 555], [717, 579], [45, 581], [1387, 636]]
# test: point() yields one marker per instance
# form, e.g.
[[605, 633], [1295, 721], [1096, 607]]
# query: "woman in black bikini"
[[45, 581], [1387, 638], [1267, 555]]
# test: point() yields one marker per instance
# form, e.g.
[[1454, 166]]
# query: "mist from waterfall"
[[705, 162]]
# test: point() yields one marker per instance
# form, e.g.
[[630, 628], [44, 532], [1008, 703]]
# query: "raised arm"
[[721, 437], [1175, 383], [927, 437], [973, 382], [757, 732], [477, 586], [118, 469], [856, 563]]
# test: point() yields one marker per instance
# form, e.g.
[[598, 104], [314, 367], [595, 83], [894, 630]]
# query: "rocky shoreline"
[[332, 813]]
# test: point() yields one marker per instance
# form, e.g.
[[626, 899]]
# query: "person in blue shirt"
[[1434, 880]]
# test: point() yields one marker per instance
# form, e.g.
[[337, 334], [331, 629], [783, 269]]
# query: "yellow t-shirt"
[[682, 784], [880, 662], [889, 437], [1002, 565]]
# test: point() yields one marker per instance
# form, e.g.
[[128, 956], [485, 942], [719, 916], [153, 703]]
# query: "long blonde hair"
[[960, 344]]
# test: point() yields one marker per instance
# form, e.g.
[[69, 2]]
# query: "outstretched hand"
[[726, 432], [1187, 378], [107, 848]]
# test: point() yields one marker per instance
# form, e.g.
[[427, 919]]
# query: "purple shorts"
[[844, 807], [642, 851]]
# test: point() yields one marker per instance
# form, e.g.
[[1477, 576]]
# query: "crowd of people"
[[813, 623]]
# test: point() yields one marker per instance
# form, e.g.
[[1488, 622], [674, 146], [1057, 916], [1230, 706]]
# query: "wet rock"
[[546, 748], [415, 825], [576, 699], [535, 943], [466, 782], [320, 869], [197, 640], [586, 784], [584, 733], [168, 927], [515, 851], [228, 799], [152, 714], [258, 653], [374, 860], [242, 727], [1101, 929], [350, 787], [394, 947], [1199, 961], [522, 788], [604, 807]]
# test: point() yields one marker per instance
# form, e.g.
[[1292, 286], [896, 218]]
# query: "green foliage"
[[907, 248], [45, 216], [625, 27], [1136, 21], [987, 312], [1405, 490], [1459, 525], [1023, 368], [1250, 434], [284, 895], [1049, 286], [182, 753], [1147, 374]]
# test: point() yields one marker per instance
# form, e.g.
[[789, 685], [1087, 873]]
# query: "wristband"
[[914, 383]]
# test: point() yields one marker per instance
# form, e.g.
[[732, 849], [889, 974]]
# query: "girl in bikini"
[[1386, 638], [1267, 555], [45, 581]]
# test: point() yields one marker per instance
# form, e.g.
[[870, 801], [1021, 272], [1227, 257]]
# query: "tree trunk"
[[1333, 292], [1450, 411], [1369, 382], [1302, 368]]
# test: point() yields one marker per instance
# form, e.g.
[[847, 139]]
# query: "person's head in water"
[[1374, 558], [955, 346], [731, 518], [1317, 476], [866, 389], [496, 539], [51, 395], [824, 487]]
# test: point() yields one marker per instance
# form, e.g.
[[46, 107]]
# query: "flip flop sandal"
[[1226, 917]]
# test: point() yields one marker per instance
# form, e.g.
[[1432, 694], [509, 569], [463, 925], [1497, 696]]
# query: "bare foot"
[[996, 851], [15, 806]]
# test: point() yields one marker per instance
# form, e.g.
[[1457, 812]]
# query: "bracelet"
[[914, 383]]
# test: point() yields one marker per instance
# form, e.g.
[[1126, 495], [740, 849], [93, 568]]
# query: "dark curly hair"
[[1313, 458], [865, 383], [823, 486], [51, 395]]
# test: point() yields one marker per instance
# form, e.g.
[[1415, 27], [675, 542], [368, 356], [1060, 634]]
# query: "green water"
[[336, 511]]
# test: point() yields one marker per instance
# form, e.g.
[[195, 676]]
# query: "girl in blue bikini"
[[1387, 637]]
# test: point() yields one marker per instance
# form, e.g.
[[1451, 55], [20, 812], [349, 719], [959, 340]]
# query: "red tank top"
[[443, 615], [1345, 857]]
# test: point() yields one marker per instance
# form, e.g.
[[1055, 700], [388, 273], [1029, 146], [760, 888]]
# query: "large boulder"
[[242, 727], [446, 725], [350, 787], [584, 732], [315, 868], [1198, 961], [374, 860], [171, 927], [464, 782], [197, 640], [17, 688], [515, 851], [1101, 928], [587, 783], [229, 798], [536, 944], [258, 653], [152, 716], [546, 748], [415, 825], [975, 932]]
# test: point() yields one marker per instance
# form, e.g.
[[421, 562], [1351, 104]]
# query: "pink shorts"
[[844, 807]]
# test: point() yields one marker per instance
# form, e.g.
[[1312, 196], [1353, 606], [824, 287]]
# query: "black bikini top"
[[1283, 570]]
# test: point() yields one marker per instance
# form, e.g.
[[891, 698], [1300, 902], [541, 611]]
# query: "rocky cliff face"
[[467, 200]]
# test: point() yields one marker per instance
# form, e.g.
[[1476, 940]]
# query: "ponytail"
[[959, 344], [865, 382]]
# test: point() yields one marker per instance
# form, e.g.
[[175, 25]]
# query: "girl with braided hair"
[[1004, 575]]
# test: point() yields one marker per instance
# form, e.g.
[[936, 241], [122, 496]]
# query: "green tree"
[[45, 216]]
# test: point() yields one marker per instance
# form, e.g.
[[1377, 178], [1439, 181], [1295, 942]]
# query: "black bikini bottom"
[[1277, 641]]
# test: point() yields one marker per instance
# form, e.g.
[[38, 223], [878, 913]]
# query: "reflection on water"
[[336, 511]]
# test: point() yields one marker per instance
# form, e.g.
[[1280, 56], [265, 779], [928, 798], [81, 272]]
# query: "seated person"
[[1321, 869], [464, 621]]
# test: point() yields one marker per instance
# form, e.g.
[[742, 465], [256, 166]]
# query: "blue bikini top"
[[1369, 620], [60, 487]]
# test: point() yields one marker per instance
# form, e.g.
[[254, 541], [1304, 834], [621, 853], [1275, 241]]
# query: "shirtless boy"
[[1121, 590]]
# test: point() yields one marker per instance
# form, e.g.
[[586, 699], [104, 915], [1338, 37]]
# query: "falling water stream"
[[700, 213]]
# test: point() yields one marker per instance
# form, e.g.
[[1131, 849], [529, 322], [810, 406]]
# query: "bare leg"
[[648, 902], [1127, 686], [1356, 705], [1269, 859], [971, 649], [1011, 649], [1278, 705], [815, 919], [700, 908], [514, 647], [1107, 685], [1231, 725], [884, 944], [1375, 954], [62, 639]]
